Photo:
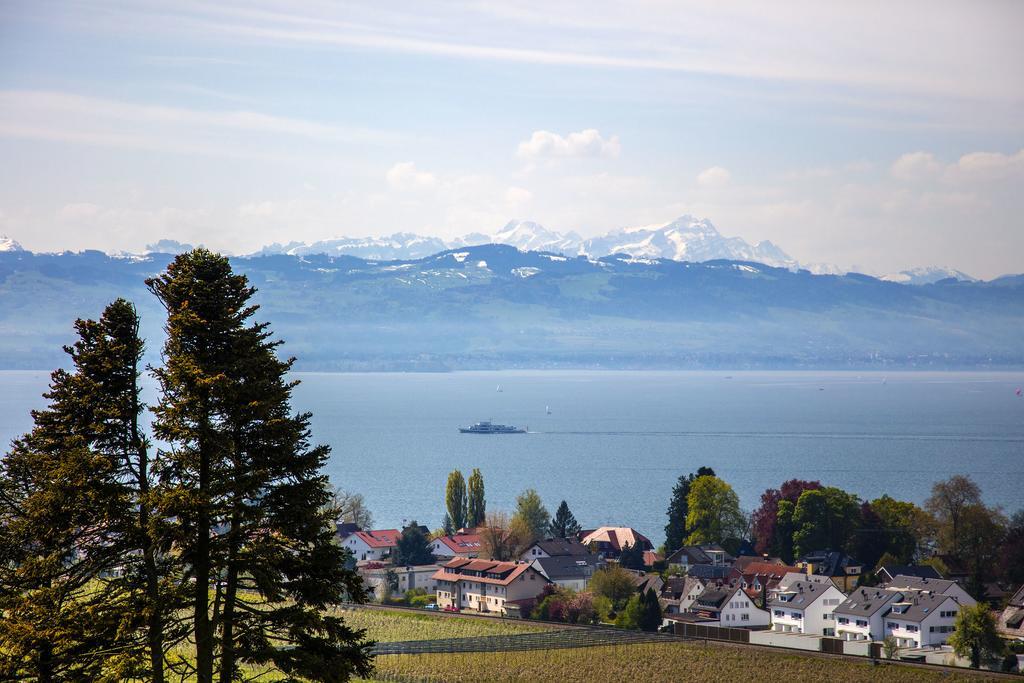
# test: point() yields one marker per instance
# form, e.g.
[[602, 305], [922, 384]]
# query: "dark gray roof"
[[830, 562], [799, 594], [557, 547], [918, 606], [1018, 598], [566, 567], [922, 571], [697, 554], [919, 584], [864, 602], [707, 571]]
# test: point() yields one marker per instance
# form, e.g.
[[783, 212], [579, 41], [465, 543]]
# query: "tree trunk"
[[203, 627]]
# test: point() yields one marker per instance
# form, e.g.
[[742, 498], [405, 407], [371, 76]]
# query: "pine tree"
[[244, 488], [477, 504], [78, 509], [651, 616], [455, 499], [564, 525], [632, 556]]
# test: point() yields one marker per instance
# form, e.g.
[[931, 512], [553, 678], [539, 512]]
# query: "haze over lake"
[[615, 442]]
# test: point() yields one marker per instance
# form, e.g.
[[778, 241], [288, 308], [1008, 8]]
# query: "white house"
[[862, 615], [729, 606], [456, 545], [372, 546], [805, 604], [902, 582], [922, 619]]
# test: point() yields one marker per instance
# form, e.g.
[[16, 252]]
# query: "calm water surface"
[[615, 442]]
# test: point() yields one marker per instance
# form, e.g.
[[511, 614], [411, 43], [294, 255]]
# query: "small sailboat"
[[547, 409], [499, 389]]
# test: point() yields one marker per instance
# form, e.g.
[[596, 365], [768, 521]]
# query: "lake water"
[[615, 442]]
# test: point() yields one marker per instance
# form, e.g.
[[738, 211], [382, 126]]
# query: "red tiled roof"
[[453, 571], [382, 538], [650, 557], [461, 543]]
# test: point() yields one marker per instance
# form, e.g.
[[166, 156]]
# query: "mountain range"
[[497, 306], [684, 239]]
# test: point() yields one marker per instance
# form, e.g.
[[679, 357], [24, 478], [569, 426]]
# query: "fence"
[[704, 632]]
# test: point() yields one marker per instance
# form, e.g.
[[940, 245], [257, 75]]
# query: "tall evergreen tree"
[[78, 506], [678, 509], [564, 525], [244, 489], [455, 499], [651, 616], [476, 509], [632, 557]]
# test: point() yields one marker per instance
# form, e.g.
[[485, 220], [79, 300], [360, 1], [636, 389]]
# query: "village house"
[[887, 573], [554, 547], [375, 576], [1011, 619], [689, 555], [727, 606], [805, 604], [862, 615], [921, 619], [372, 546], [904, 583], [841, 568], [758, 577], [608, 541], [485, 585], [679, 593], [465, 545], [569, 571]]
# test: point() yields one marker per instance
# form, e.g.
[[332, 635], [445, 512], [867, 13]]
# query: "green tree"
[[783, 545], [476, 508], [614, 583], [632, 614], [496, 541], [632, 557], [678, 509], [564, 525], [242, 489], [982, 534], [74, 507], [714, 512], [908, 529], [413, 547], [948, 502], [975, 635], [530, 511], [651, 619], [455, 499], [891, 647], [825, 518]]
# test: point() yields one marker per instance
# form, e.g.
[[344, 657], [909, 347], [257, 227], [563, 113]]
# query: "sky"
[[872, 135]]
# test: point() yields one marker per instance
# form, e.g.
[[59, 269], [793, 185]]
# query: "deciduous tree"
[[476, 508], [947, 503], [714, 512], [530, 511], [413, 547], [678, 509], [455, 499], [975, 635]]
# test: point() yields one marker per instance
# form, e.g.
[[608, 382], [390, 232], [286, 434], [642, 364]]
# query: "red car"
[[450, 608]]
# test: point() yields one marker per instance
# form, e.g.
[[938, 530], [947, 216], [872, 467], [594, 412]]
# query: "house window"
[[861, 622], [779, 613], [892, 624], [745, 617], [844, 620]]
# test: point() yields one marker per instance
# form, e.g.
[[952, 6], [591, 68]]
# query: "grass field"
[[668, 662], [391, 626]]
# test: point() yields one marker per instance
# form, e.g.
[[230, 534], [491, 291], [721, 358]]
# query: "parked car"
[[431, 606], [451, 608]]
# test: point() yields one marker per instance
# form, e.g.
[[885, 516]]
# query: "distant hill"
[[495, 306]]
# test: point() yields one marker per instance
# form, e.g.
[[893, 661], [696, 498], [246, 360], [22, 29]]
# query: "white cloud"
[[916, 166], [405, 176], [518, 195], [716, 176], [586, 143]]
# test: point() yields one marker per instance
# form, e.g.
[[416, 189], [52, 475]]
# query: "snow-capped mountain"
[[8, 244], [927, 276], [401, 245], [530, 236], [685, 239]]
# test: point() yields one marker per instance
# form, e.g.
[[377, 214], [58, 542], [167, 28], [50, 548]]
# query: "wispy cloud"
[[544, 144]]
